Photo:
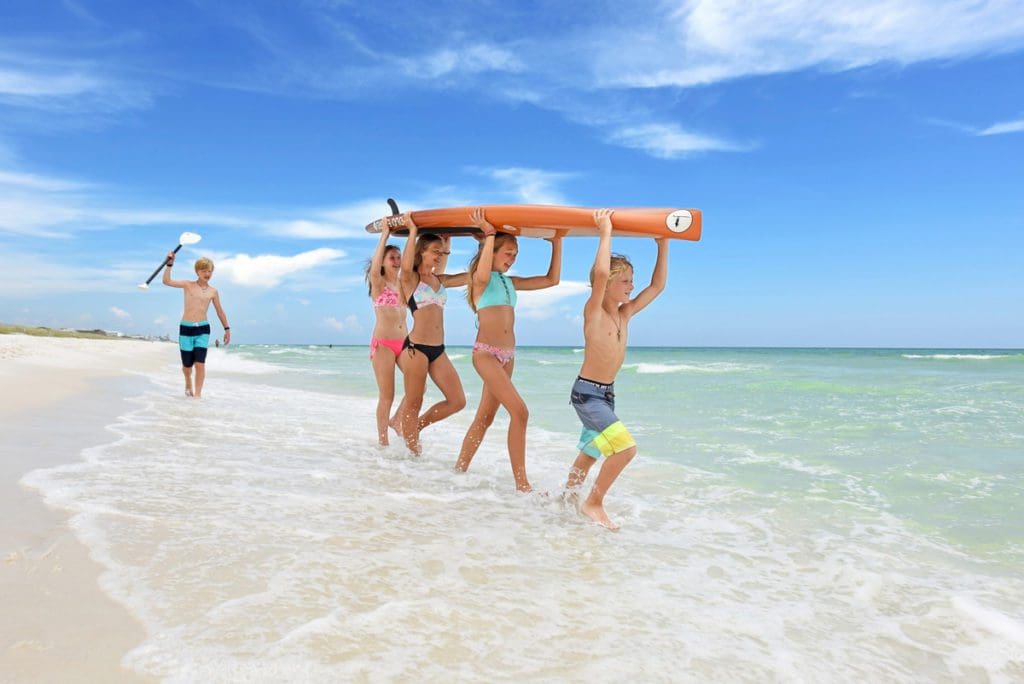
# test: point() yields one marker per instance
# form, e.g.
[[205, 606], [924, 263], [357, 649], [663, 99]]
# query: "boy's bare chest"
[[197, 295]]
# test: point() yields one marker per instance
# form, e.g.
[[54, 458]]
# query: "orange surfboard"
[[544, 221]]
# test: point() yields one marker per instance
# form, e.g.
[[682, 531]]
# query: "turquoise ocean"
[[795, 515]]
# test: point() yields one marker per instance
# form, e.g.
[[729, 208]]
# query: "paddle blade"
[[189, 238], [143, 286]]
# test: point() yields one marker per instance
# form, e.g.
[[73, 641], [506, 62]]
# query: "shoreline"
[[62, 394]]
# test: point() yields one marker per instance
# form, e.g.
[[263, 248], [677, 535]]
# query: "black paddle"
[[184, 239]]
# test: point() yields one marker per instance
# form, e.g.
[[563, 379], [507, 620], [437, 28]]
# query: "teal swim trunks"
[[193, 340]]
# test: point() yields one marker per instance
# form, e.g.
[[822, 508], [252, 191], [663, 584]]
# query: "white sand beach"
[[59, 394]]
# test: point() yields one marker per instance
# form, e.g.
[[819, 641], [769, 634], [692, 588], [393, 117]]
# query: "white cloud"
[[347, 221], [350, 324], [543, 304], [42, 84], [667, 141], [268, 270], [473, 59], [53, 207], [706, 41], [50, 277], [35, 182], [1004, 127], [78, 88], [120, 313], [530, 186]]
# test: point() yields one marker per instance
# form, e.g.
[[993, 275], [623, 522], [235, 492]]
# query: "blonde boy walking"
[[606, 317], [194, 331]]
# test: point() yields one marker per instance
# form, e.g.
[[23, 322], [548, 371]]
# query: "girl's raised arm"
[[408, 277], [554, 274], [377, 260]]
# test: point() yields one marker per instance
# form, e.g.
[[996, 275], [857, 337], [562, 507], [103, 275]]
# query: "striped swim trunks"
[[193, 339]]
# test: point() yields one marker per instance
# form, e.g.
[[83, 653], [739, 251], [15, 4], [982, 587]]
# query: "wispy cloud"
[[529, 186], [75, 91], [469, 60], [53, 207], [49, 277], [120, 313], [43, 85], [268, 270], [350, 324], [35, 182], [668, 141], [1003, 128], [707, 41]]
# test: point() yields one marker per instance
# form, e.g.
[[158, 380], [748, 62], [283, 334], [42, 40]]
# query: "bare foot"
[[188, 392], [598, 515], [395, 425]]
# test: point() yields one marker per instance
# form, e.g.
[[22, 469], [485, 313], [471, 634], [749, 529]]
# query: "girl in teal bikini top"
[[499, 292], [494, 348]]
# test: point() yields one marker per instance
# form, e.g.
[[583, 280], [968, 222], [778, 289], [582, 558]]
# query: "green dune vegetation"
[[6, 329]]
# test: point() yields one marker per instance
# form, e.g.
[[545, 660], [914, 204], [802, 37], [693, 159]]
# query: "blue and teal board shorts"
[[193, 339], [603, 433]]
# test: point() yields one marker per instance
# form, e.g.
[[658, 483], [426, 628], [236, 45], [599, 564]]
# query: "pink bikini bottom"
[[503, 355], [394, 345]]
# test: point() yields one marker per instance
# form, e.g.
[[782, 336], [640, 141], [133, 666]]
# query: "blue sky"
[[859, 164]]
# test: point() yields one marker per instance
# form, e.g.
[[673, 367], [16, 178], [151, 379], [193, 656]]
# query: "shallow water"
[[798, 515]]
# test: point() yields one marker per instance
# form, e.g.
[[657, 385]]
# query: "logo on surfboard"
[[679, 221]]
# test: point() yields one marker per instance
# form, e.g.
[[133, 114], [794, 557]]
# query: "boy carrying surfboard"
[[606, 317]]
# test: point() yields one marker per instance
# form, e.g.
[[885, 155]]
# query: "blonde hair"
[[499, 240], [618, 264], [203, 263]]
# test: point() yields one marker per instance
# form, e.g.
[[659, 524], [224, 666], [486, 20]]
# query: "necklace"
[[618, 326], [204, 289]]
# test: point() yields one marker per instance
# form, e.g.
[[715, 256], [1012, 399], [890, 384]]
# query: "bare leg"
[[593, 507], [498, 381], [414, 367], [396, 420], [485, 413], [187, 372], [444, 375], [577, 476], [200, 378], [384, 371]]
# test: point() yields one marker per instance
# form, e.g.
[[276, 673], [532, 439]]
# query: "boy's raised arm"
[[167, 273], [658, 279], [602, 260]]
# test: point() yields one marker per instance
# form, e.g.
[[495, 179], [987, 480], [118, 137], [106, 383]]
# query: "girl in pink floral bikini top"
[[389, 327]]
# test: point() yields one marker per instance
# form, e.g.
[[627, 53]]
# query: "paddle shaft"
[[150, 278]]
